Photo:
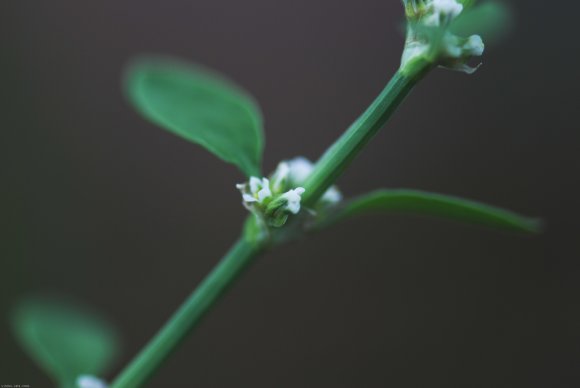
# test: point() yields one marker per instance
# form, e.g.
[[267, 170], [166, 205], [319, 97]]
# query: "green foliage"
[[419, 202], [65, 340], [491, 20], [467, 3], [200, 106]]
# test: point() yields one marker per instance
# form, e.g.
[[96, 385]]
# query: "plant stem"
[[326, 171], [188, 315], [337, 158]]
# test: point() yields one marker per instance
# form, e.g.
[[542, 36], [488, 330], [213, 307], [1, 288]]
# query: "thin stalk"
[[337, 158], [326, 171], [188, 315]]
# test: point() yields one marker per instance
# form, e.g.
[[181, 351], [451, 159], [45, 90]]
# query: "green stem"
[[326, 171], [188, 315], [337, 158]]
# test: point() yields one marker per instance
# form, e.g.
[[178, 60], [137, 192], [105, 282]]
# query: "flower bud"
[[280, 208]]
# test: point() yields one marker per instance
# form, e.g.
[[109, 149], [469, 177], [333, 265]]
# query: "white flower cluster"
[[429, 38], [292, 198], [257, 194], [275, 198], [259, 190]]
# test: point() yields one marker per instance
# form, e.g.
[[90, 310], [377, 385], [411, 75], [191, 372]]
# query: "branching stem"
[[327, 170], [338, 157]]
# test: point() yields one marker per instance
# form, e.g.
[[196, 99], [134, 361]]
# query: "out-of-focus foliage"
[[491, 20], [65, 340], [201, 107]]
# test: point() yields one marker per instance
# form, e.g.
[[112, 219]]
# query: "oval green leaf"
[[65, 340], [425, 203], [201, 107]]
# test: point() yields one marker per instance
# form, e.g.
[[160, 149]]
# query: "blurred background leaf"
[[491, 20], [467, 3], [201, 107], [419, 202], [64, 339]]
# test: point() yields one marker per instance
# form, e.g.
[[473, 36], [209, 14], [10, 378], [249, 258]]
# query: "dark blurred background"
[[97, 203]]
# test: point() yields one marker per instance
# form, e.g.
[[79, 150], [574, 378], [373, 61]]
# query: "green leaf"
[[467, 3], [490, 20], [200, 106], [419, 202], [65, 340]]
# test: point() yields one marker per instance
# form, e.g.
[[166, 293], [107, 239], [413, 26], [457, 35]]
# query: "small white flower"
[[471, 47], [293, 198], [260, 188], [259, 191], [452, 46], [442, 9], [280, 177], [332, 195], [447, 7], [88, 381], [300, 169], [474, 46], [249, 198]]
